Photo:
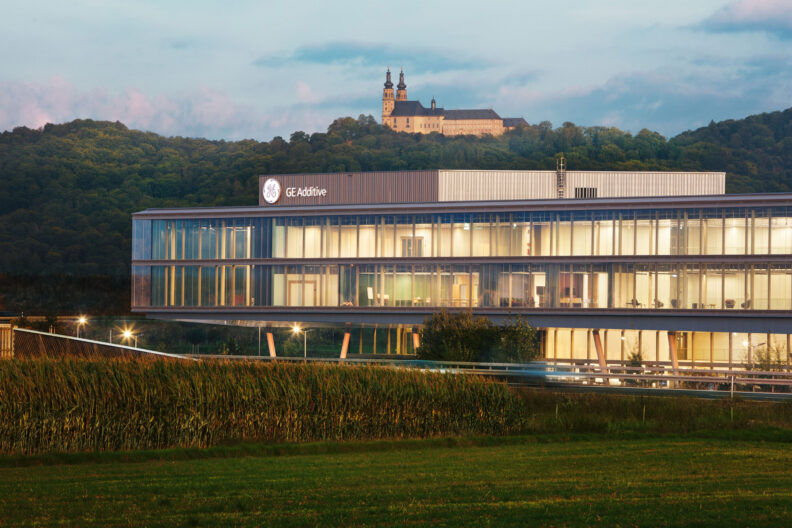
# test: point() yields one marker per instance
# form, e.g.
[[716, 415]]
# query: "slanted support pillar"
[[345, 345], [672, 350], [600, 352], [271, 344]]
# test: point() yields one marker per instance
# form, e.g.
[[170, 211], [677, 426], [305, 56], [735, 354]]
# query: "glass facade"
[[672, 232], [654, 346], [657, 286], [474, 260]]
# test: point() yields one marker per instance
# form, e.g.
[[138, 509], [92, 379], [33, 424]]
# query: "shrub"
[[455, 337], [461, 337], [517, 342], [767, 358]]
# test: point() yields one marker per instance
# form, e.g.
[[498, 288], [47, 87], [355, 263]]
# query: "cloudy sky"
[[256, 69]]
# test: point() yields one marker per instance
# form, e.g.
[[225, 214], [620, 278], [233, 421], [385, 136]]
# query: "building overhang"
[[595, 204], [743, 321]]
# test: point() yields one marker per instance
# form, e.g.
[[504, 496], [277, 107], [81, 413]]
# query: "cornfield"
[[71, 405]]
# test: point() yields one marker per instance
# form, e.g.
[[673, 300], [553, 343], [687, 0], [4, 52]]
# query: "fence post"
[[6, 341]]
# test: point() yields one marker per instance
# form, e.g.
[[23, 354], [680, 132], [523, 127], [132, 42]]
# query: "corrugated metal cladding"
[[481, 185], [624, 184], [355, 188], [471, 185], [475, 185]]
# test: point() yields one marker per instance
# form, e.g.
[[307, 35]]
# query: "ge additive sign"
[[271, 191]]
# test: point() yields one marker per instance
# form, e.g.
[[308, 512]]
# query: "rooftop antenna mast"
[[561, 176]]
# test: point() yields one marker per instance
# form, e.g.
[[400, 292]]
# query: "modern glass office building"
[[606, 264]]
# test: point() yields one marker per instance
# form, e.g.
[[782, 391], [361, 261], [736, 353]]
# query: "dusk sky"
[[233, 70]]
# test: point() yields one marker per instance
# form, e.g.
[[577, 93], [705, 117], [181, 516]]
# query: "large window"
[[647, 232], [696, 286]]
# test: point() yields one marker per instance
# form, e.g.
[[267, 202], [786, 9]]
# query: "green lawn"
[[592, 480]]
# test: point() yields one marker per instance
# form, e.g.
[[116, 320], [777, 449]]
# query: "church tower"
[[401, 92], [387, 100]]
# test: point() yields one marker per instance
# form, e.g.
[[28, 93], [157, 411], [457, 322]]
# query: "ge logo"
[[271, 191]]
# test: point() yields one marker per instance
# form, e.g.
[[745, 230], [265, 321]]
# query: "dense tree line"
[[68, 190]]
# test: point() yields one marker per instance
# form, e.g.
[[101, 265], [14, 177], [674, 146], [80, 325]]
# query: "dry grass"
[[71, 405], [52, 405]]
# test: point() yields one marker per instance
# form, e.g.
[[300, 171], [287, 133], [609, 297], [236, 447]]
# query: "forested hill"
[[68, 190]]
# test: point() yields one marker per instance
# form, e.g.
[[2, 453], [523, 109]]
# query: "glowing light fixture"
[[296, 330], [81, 321]]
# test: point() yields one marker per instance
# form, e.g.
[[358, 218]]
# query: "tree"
[[518, 342], [195, 336], [462, 337], [455, 337]]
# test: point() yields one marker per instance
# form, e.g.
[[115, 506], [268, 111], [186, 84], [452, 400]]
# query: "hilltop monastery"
[[411, 116]]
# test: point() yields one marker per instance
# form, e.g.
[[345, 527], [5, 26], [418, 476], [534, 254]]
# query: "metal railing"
[[32, 343], [745, 383], [742, 382]]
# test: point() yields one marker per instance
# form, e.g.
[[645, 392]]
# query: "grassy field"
[[71, 432], [579, 480]]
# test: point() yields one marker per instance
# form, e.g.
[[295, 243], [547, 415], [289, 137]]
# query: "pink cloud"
[[756, 10], [305, 93], [772, 16], [203, 112]]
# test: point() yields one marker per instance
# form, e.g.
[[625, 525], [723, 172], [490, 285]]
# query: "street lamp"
[[296, 330], [749, 349], [128, 335], [81, 321]]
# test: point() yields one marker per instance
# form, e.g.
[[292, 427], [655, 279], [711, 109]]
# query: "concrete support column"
[[672, 350], [692, 349], [345, 345], [600, 352], [271, 344]]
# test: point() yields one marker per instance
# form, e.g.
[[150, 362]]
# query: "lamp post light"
[[81, 321], [296, 330], [128, 336]]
